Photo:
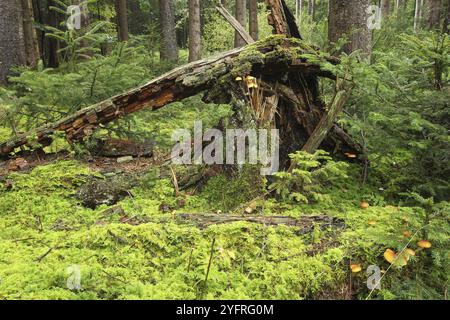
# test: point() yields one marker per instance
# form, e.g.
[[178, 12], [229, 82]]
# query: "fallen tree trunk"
[[305, 224], [278, 61], [263, 59]]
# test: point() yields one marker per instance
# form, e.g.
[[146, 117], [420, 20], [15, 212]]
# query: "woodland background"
[[67, 205]]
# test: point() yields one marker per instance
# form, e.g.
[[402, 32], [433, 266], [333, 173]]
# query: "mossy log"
[[304, 224], [271, 59]]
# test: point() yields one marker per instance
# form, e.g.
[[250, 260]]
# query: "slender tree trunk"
[[385, 6], [85, 22], [298, 10], [29, 33], [195, 35], [122, 20], [254, 28], [349, 18], [241, 16], [417, 15], [169, 48], [12, 48], [446, 18], [433, 12], [311, 7]]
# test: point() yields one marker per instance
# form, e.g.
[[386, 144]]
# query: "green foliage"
[[308, 179], [402, 117]]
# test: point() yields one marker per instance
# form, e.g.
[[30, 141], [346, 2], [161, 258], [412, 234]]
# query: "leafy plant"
[[311, 174]]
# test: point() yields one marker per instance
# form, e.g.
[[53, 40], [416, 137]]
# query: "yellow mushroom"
[[355, 268], [372, 222], [410, 252], [364, 205], [407, 234], [389, 255], [251, 82], [424, 244]]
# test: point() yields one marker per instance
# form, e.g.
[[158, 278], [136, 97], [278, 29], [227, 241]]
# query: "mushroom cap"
[[389, 255], [372, 222], [364, 205], [407, 234], [425, 244], [410, 252], [355, 268]]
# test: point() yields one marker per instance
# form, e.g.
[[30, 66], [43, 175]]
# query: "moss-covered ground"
[[145, 253]]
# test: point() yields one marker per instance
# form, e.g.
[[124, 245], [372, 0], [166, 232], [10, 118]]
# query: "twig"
[[40, 258], [210, 260]]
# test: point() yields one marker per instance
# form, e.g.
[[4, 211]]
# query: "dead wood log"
[[173, 86], [236, 25], [305, 224], [327, 122]]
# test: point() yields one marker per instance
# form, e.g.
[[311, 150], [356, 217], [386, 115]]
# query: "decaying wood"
[[236, 25], [298, 115], [175, 85], [305, 224], [281, 19], [327, 122]]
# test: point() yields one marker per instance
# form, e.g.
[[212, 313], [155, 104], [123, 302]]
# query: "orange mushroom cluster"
[[403, 257]]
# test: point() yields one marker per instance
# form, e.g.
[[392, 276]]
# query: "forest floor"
[[128, 243]]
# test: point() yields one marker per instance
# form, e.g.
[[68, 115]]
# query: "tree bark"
[[305, 224], [12, 47], [385, 6], [195, 33], [169, 48], [253, 24], [298, 10], [433, 10], [349, 18], [122, 20], [311, 7], [178, 84], [241, 17], [29, 33], [235, 24], [417, 14]]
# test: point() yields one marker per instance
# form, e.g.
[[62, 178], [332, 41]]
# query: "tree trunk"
[[311, 7], [122, 20], [195, 33], [187, 81], [169, 49], [417, 14], [349, 18], [241, 17], [29, 33], [235, 24], [254, 28], [433, 10], [85, 22], [385, 6], [298, 10], [52, 46], [12, 47]]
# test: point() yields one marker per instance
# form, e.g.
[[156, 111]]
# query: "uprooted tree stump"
[[281, 62]]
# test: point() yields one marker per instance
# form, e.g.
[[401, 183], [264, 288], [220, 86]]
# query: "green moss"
[[160, 259]]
